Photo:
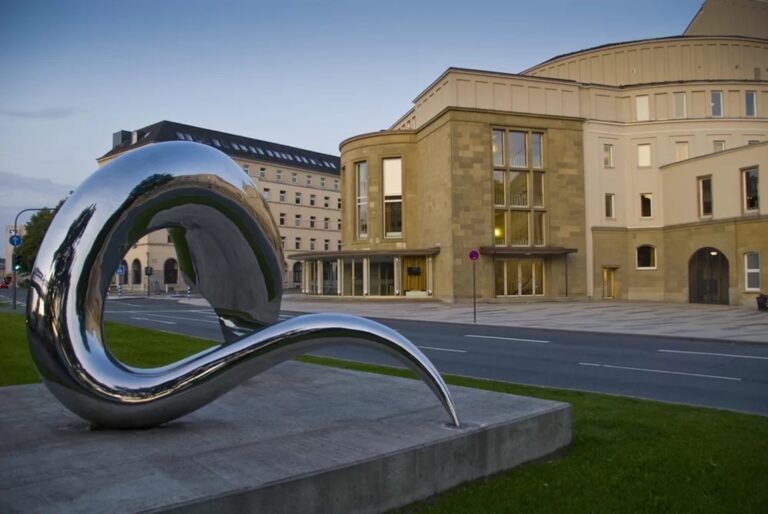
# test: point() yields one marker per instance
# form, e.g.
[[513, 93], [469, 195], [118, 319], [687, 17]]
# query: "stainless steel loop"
[[228, 246]]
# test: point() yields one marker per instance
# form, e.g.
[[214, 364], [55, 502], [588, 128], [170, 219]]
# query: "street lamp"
[[16, 257]]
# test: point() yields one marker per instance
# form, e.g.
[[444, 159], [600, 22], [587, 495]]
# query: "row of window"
[[646, 260], [308, 180], [313, 223], [297, 244], [750, 197], [298, 198], [392, 182], [170, 272], [644, 152], [680, 105]]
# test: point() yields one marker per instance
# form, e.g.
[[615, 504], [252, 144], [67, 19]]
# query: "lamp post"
[[13, 254]]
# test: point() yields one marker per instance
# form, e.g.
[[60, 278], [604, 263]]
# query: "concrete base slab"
[[299, 438]]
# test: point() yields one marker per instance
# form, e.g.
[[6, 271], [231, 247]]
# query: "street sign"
[[474, 255], [120, 270], [15, 240]]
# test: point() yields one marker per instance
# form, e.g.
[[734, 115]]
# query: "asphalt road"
[[709, 373]]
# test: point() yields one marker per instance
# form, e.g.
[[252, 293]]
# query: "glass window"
[[518, 228], [750, 192], [312, 243], [538, 228], [679, 109], [609, 204], [646, 257], [499, 228], [681, 150], [282, 242], [752, 271], [326, 223], [312, 220], [265, 193], [644, 156], [282, 196], [519, 277], [705, 196], [498, 148], [538, 189], [718, 145], [498, 188], [309, 180], [327, 199], [393, 197], [536, 150], [322, 181], [294, 177], [608, 156], [279, 174], [282, 219], [646, 205], [298, 199], [716, 99], [327, 245], [750, 106], [517, 153], [642, 106], [312, 199], [297, 220], [262, 173], [297, 243], [518, 188]]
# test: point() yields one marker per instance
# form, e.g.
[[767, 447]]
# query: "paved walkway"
[[649, 318]]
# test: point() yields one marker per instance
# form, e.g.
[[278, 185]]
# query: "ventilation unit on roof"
[[120, 137]]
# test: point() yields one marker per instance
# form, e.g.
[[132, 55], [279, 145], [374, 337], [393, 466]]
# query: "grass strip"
[[627, 455]]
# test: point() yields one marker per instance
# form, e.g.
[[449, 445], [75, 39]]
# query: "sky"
[[305, 73]]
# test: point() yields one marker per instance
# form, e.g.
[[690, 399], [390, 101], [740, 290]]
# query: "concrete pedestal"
[[299, 438]]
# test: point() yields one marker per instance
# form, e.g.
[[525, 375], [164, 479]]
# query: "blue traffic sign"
[[120, 270], [15, 240]]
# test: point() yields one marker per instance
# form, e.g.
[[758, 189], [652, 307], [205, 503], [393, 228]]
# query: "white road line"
[[700, 375], [541, 341], [194, 320], [155, 320], [442, 349], [735, 356]]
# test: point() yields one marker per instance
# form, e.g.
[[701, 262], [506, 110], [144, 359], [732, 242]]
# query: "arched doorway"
[[170, 272], [136, 272], [708, 277], [297, 273]]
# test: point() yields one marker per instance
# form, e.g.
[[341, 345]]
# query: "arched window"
[[170, 272], [297, 272], [136, 272], [646, 257]]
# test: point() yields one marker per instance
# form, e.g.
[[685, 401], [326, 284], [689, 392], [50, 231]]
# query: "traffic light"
[[16, 262]]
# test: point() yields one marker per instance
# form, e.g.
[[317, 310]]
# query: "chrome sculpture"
[[228, 246]]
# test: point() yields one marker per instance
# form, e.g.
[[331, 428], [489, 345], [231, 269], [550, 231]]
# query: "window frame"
[[639, 99], [748, 271], [612, 204], [650, 155], [649, 196], [654, 259], [716, 143], [700, 192], [675, 114], [392, 199], [682, 145], [719, 95], [753, 94], [744, 197], [609, 162], [360, 201]]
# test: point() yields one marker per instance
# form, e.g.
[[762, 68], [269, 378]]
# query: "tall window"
[[312, 199], [136, 272], [718, 145], [607, 156], [749, 104], [642, 108], [282, 196], [393, 197], [646, 205], [752, 271], [681, 150], [679, 110], [312, 220], [646, 257], [361, 188], [750, 193], [170, 271], [705, 197], [297, 220], [519, 277], [279, 174], [644, 155], [282, 219], [294, 177], [312, 243], [609, 205], [518, 188], [326, 223], [716, 100], [297, 243], [298, 199]]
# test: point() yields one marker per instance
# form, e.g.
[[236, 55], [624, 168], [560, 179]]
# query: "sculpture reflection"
[[228, 247]]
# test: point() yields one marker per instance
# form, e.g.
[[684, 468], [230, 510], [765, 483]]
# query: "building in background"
[[630, 170], [301, 187]]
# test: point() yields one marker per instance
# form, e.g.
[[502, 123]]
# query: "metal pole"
[[474, 294], [13, 253]]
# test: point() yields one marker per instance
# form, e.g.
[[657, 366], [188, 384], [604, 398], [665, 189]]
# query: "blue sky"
[[306, 73]]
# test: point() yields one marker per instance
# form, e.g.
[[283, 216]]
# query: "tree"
[[35, 230]]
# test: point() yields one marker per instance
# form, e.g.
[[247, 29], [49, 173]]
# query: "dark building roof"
[[231, 144]]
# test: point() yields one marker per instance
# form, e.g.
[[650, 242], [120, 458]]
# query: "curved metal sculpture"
[[228, 246]]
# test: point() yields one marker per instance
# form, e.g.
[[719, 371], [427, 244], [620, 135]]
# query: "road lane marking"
[[540, 341], [700, 375], [442, 349], [155, 320], [734, 355]]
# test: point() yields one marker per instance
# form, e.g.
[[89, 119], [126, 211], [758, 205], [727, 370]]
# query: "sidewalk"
[[696, 321]]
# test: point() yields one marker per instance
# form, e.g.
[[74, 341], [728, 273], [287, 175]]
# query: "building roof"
[[231, 144]]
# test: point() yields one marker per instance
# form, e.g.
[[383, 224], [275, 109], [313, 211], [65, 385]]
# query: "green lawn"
[[627, 455]]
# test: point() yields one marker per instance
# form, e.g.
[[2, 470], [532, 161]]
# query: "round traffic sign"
[[120, 270], [15, 240], [474, 255]]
